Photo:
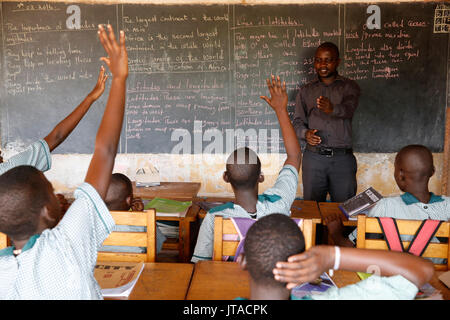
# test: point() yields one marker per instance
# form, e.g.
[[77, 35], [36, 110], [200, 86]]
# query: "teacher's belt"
[[328, 151]]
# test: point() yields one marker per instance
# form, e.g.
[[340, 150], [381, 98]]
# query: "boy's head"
[[269, 240], [120, 193], [243, 169], [413, 167], [28, 204], [326, 60]]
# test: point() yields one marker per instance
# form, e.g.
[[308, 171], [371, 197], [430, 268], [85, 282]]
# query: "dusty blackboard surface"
[[197, 71]]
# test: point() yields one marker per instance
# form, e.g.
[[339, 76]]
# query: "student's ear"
[[128, 200], [261, 178], [225, 177], [46, 217], [432, 171], [242, 261]]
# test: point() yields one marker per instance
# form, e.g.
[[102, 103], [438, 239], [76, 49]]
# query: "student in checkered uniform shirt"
[[243, 172], [54, 257]]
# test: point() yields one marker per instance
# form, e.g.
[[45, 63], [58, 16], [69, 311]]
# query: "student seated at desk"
[[38, 153], [413, 168], [275, 239], [120, 198], [54, 257], [243, 172]]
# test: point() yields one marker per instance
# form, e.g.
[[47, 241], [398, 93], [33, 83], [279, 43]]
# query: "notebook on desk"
[[168, 207], [117, 279]]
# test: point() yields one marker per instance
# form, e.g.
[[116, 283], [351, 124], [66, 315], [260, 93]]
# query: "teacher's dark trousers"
[[322, 174]]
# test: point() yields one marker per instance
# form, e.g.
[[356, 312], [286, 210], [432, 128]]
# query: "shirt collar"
[[30, 243], [409, 199], [338, 78]]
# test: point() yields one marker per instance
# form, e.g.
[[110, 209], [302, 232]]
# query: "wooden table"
[[162, 281], [182, 191], [300, 208], [187, 233], [331, 208], [219, 280]]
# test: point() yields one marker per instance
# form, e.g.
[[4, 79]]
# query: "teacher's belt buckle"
[[328, 152]]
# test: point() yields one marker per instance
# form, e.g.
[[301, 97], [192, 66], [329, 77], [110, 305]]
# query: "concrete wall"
[[375, 169]]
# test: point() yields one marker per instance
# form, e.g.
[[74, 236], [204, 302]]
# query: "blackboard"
[[197, 71]]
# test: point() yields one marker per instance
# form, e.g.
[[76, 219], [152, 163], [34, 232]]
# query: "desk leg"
[[184, 241]]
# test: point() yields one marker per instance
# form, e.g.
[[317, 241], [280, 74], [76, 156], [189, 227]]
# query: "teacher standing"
[[324, 110]]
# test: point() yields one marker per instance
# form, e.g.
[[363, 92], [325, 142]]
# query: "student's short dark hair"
[[271, 239], [329, 46], [119, 189], [243, 167], [24, 191]]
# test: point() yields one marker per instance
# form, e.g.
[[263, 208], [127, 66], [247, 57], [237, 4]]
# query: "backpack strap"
[[423, 236], [391, 235]]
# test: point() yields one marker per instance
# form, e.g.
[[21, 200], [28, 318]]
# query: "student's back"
[[53, 257], [243, 172]]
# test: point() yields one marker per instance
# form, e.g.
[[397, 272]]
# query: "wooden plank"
[[408, 227], [217, 251], [133, 239], [434, 250], [129, 218], [121, 257]]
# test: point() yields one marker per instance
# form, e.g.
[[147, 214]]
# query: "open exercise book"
[[322, 284], [117, 279], [169, 208]]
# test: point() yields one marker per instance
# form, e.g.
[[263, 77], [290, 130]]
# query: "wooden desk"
[[187, 233], [329, 208], [300, 208], [162, 281], [219, 280], [183, 191]]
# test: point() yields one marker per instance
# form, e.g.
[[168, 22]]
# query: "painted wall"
[[374, 169]]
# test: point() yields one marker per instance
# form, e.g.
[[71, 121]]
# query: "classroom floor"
[[167, 256]]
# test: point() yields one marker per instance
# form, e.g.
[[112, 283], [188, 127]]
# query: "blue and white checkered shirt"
[[36, 155], [373, 288], [277, 199], [59, 263]]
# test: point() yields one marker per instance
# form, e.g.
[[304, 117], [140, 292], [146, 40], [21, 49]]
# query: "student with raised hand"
[[413, 169], [54, 257], [400, 274], [38, 153], [243, 172]]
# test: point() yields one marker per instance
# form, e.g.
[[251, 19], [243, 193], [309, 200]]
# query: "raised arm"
[[100, 168], [308, 265], [278, 101], [66, 126]]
